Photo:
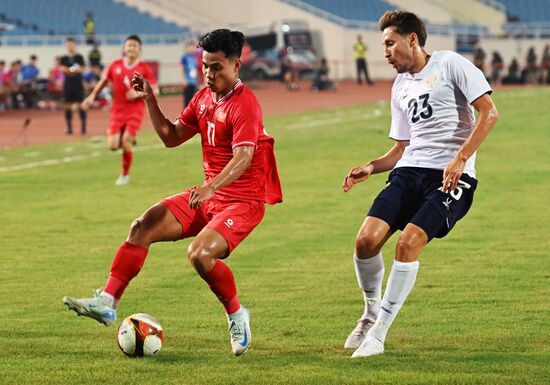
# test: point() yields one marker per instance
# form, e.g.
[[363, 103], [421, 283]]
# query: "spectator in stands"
[[94, 56], [497, 64], [479, 56], [513, 73], [55, 87], [545, 65], [15, 82], [29, 86], [190, 73], [531, 69], [56, 79], [360, 50], [30, 71], [89, 28], [322, 81], [72, 65]]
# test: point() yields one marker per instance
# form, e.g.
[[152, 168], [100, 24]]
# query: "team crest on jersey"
[[202, 107], [118, 70], [221, 117], [431, 80]]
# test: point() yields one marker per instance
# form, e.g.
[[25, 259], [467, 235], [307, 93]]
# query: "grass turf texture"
[[477, 315]]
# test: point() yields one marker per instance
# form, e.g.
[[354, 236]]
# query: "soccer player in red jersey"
[[128, 106], [241, 175]]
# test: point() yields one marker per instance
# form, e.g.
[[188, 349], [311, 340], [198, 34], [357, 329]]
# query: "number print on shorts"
[[210, 133], [457, 192], [426, 109]]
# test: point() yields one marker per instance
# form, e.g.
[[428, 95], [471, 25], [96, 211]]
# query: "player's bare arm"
[[384, 163], [242, 157], [97, 89], [171, 134], [486, 119]]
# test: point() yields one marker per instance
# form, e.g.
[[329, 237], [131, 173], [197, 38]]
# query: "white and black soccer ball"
[[140, 335]]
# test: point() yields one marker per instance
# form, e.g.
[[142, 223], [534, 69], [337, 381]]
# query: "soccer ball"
[[140, 335]]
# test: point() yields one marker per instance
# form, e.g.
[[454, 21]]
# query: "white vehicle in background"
[[267, 45]]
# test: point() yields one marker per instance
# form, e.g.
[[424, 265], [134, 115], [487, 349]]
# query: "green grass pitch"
[[479, 313]]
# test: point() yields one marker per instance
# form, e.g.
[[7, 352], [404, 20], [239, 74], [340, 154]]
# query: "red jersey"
[[235, 120], [120, 75]]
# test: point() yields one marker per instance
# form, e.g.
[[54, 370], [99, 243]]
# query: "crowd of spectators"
[[23, 86], [533, 70]]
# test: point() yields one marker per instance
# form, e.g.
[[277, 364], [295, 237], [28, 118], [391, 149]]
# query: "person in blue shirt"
[[30, 71], [190, 73]]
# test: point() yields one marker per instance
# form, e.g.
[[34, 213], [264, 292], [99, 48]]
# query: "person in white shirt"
[[433, 179]]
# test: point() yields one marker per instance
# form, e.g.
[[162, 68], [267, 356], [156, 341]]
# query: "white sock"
[[108, 299], [238, 312], [400, 284], [370, 273]]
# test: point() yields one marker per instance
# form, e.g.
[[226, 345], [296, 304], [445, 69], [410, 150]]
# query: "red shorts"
[[131, 123], [234, 220]]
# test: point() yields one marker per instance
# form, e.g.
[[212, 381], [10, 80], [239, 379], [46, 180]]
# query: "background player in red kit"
[[241, 174], [128, 106]]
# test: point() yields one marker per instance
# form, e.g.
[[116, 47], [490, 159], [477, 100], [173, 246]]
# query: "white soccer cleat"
[[92, 307], [239, 329], [122, 180], [370, 347], [357, 335]]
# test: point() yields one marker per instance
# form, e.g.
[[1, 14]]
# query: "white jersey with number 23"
[[432, 109]]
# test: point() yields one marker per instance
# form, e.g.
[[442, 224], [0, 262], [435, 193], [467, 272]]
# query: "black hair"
[[229, 42], [133, 37], [70, 39], [404, 23]]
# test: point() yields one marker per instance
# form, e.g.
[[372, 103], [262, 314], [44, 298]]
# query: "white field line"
[[96, 154], [71, 159]]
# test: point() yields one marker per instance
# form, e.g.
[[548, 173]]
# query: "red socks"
[[130, 258], [126, 162], [222, 283], [126, 265]]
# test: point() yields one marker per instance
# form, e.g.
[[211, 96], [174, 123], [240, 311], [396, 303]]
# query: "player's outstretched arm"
[[171, 134], [486, 119], [384, 163], [242, 157], [97, 89]]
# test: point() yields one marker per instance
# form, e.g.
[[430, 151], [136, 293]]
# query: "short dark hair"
[[229, 42], [133, 37], [404, 23], [70, 39]]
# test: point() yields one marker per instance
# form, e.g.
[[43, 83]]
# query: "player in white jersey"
[[432, 160]]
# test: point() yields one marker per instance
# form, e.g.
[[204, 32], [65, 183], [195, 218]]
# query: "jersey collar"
[[125, 62], [238, 84], [422, 74]]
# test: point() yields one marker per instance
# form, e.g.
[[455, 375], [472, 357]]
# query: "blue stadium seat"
[[531, 10], [369, 10], [66, 17]]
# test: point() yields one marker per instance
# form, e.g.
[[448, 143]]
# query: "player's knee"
[[200, 257], [408, 247], [367, 246], [136, 230]]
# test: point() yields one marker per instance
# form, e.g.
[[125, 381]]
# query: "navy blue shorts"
[[413, 195]]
